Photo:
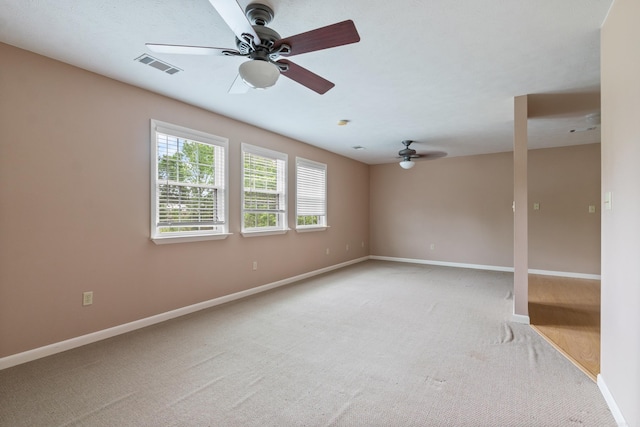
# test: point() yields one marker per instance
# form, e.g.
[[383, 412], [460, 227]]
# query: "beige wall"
[[563, 235], [620, 341], [463, 206], [460, 204], [520, 209], [75, 214]]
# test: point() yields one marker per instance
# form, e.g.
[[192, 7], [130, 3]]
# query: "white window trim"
[[186, 133], [265, 152], [312, 228], [269, 232], [187, 239]]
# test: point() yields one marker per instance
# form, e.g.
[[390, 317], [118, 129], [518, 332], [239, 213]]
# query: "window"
[[264, 195], [311, 194], [188, 182]]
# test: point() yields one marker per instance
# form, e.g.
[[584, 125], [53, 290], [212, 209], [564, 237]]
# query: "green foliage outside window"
[[262, 200], [309, 220], [187, 198]]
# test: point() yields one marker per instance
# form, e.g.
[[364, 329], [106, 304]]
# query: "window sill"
[[311, 229], [185, 239], [264, 232]]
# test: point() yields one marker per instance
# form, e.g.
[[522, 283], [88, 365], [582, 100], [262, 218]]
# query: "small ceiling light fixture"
[[583, 129], [406, 163], [593, 119], [259, 74], [343, 122], [358, 147]]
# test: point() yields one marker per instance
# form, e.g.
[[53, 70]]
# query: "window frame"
[[311, 164], [218, 142], [283, 214]]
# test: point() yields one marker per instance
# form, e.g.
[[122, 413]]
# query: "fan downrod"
[[407, 142]]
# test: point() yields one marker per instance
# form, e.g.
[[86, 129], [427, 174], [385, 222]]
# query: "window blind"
[[263, 183], [264, 196], [311, 188], [189, 184]]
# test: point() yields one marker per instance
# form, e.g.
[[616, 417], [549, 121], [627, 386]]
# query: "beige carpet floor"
[[373, 344]]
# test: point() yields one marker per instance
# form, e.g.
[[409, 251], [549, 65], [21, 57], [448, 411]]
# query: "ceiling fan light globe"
[[407, 164], [259, 74]]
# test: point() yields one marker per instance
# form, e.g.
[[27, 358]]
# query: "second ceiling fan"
[[409, 155], [264, 47]]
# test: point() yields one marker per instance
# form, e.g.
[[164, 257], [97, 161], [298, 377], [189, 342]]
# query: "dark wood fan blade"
[[430, 155], [190, 50], [234, 16], [306, 78], [321, 38]]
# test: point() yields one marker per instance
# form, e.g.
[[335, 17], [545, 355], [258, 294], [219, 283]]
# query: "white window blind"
[[189, 182], [311, 193], [264, 196]]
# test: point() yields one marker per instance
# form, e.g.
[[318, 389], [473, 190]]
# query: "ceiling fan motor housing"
[[267, 36], [259, 15], [407, 153]]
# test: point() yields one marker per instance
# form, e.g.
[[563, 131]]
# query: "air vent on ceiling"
[[158, 64]]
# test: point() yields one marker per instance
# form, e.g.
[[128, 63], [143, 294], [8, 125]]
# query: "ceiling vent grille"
[[158, 64]]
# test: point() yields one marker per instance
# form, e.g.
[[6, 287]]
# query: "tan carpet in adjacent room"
[[373, 344]]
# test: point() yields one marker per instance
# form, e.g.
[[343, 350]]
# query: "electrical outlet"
[[363, 243], [327, 251], [255, 265], [592, 208], [87, 298], [433, 246], [347, 246]]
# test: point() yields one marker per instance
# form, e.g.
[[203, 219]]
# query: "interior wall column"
[[520, 219]]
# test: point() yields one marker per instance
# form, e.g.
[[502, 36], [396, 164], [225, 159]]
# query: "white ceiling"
[[441, 72]]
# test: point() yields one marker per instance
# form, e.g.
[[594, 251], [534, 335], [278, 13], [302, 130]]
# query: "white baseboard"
[[613, 407], [565, 274], [442, 263], [48, 350], [486, 267], [520, 318]]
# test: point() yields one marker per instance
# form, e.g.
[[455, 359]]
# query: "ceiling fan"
[[264, 47], [408, 155]]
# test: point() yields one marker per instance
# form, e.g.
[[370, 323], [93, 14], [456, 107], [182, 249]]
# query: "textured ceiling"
[[441, 72]]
